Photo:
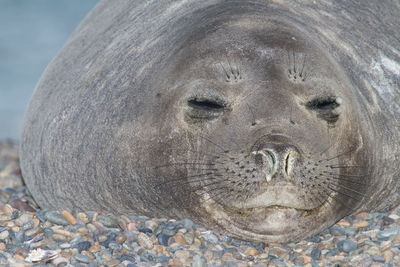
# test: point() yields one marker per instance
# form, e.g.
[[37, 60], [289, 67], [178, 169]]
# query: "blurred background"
[[31, 34]]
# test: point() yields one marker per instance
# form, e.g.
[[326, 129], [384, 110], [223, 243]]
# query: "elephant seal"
[[266, 120]]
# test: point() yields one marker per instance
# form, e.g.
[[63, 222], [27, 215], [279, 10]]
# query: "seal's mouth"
[[245, 212], [280, 196], [268, 223]]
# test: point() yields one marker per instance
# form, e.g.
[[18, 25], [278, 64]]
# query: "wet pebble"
[[82, 258], [346, 245], [108, 221], [55, 218], [84, 245]]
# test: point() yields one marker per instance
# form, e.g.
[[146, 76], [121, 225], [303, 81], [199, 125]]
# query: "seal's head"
[[238, 114], [269, 143]]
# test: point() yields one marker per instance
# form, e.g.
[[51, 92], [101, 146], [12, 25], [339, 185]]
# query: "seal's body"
[[267, 120]]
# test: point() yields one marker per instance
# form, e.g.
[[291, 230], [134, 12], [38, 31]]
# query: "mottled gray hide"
[[267, 120]]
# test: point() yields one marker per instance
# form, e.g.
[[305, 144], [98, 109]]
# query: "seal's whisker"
[[184, 178], [350, 189], [344, 175], [252, 115], [230, 66], [342, 193], [343, 166], [341, 179], [294, 64], [206, 154], [223, 149], [199, 180], [226, 73], [183, 164], [337, 199], [211, 196], [302, 68], [337, 156]]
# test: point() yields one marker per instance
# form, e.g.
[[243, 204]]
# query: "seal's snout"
[[276, 159]]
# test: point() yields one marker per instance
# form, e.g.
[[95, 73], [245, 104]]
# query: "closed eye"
[[206, 104], [323, 103], [325, 108]]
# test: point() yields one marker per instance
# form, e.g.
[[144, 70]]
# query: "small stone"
[[27, 226], [253, 252], [387, 233], [82, 258], [182, 255], [188, 238], [346, 245], [249, 258], [337, 231], [343, 223], [360, 224], [102, 238], [361, 215], [180, 239], [121, 238], [7, 209], [394, 217], [59, 237], [62, 232], [387, 221], [388, 255], [199, 261], [163, 239], [83, 231], [197, 242], [4, 235], [145, 230], [83, 217], [2, 246], [112, 263], [56, 218], [21, 205], [88, 254], [316, 254], [175, 262], [68, 216], [145, 241], [151, 224], [84, 245], [107, 221], [23, 219], [132, 227], [380, 259], [210, 238], [95, 248], [278, 252], [60, 262], [373, 251], [33, 231], [19, 257], [114, 246]]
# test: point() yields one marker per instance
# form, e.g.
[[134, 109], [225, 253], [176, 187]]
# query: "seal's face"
[[270, 143]]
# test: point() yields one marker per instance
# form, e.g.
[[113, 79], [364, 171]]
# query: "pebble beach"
[[30, 236]]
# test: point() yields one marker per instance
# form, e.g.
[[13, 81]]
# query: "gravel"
[[29, 235]]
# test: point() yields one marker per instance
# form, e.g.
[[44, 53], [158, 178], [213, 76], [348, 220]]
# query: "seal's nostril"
[[290, 158], [267, 161]]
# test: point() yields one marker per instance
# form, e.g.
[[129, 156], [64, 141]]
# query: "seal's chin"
[[272, 223]]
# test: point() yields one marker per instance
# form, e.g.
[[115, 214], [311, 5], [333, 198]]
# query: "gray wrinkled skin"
[[267, 120]]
